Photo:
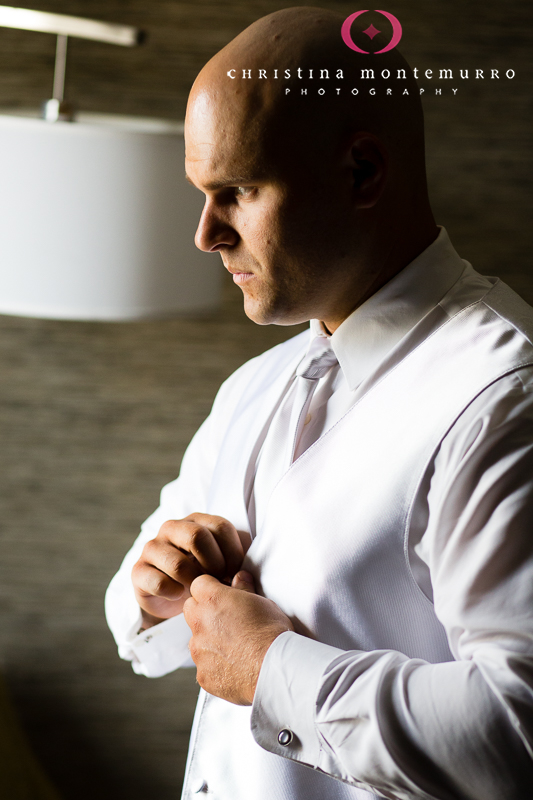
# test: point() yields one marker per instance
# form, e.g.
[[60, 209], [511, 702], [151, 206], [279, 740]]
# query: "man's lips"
[[240, 277]]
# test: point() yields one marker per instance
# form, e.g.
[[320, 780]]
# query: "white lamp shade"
[[97, 221]]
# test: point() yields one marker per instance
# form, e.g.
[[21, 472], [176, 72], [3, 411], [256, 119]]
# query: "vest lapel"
[[234, 471]]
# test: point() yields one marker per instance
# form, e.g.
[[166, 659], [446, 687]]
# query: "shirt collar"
[[363, 340]]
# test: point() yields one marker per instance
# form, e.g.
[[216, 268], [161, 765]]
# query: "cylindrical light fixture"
[[96, 218], [97, 221]]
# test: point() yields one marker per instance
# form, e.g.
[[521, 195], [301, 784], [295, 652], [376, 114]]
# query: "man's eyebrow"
[[237, 180]]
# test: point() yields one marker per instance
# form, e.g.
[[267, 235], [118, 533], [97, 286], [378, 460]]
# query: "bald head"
[[367, 149], [309, 40]]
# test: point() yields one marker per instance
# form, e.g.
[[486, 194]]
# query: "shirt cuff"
[[160, 649], [284, 707]]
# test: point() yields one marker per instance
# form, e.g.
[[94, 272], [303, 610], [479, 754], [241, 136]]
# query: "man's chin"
[[257, 315], [262, 314]]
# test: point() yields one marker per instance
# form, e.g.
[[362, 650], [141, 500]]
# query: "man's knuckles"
[[169, 529], [141, 576], [156, 552], [159, 554], [212, 540], [194, 622], [195, 649], [182, 532], [220, 528], [162, 586], [211, 520], [183, 569], [201, 542], [225, 531]]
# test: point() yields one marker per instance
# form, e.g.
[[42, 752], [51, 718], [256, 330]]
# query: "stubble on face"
[[282, 231], [225, 145]]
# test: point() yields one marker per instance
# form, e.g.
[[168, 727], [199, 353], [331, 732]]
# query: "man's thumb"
[[243, 580]]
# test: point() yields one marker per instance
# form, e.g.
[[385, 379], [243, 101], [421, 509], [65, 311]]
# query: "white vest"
[[326, 537]]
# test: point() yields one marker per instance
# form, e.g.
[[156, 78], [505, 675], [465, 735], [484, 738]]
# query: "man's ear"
[[368, 160]]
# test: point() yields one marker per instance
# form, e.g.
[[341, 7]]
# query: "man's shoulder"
[[490, 314], [511, 309]]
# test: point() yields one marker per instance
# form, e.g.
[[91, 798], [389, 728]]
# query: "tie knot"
[[319, 358]]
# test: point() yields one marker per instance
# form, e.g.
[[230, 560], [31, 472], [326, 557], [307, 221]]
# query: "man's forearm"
[[401, 726]]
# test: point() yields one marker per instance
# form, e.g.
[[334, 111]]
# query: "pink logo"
[[371, 31]]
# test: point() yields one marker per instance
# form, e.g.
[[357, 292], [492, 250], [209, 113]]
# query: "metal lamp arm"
[[64, 26]]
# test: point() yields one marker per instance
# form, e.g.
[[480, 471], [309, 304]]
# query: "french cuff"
[[284, 708], [160, 649]]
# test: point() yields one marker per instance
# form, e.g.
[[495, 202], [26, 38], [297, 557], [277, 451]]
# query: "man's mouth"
[[239, 276]]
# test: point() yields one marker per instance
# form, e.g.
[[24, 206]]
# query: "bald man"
[[347, 554]]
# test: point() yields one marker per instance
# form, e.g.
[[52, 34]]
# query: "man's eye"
[[245, 191]]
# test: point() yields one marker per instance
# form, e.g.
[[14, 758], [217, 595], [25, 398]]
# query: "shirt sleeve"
[[164, 647], [402, 727]]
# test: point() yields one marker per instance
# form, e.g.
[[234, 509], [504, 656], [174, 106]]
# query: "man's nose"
[[214, 231]]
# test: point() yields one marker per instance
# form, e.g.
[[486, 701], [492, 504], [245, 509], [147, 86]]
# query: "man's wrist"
[[260, 661], [148, 621]]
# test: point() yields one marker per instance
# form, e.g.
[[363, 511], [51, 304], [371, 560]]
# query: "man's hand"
[[232, 631], [182, 550]]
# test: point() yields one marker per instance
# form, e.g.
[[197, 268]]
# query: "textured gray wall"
[[94, 418]]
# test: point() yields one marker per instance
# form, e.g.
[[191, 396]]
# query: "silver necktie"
[[318, 360], [282, 438]]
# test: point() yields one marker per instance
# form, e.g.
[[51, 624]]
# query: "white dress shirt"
[[455, 722]]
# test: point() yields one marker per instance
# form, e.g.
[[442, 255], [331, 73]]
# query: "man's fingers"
[[183, 550], [202, 590], [164, 557], [224, 541], [243, 580], [205, 588], [231, 634], [189, 607], [246, 540], [190, 537], [149, 581]]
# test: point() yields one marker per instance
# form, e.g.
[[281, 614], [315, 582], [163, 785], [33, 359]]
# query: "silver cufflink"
[[285, 737]]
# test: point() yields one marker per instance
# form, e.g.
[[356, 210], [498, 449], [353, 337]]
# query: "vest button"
[[285, 737]]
